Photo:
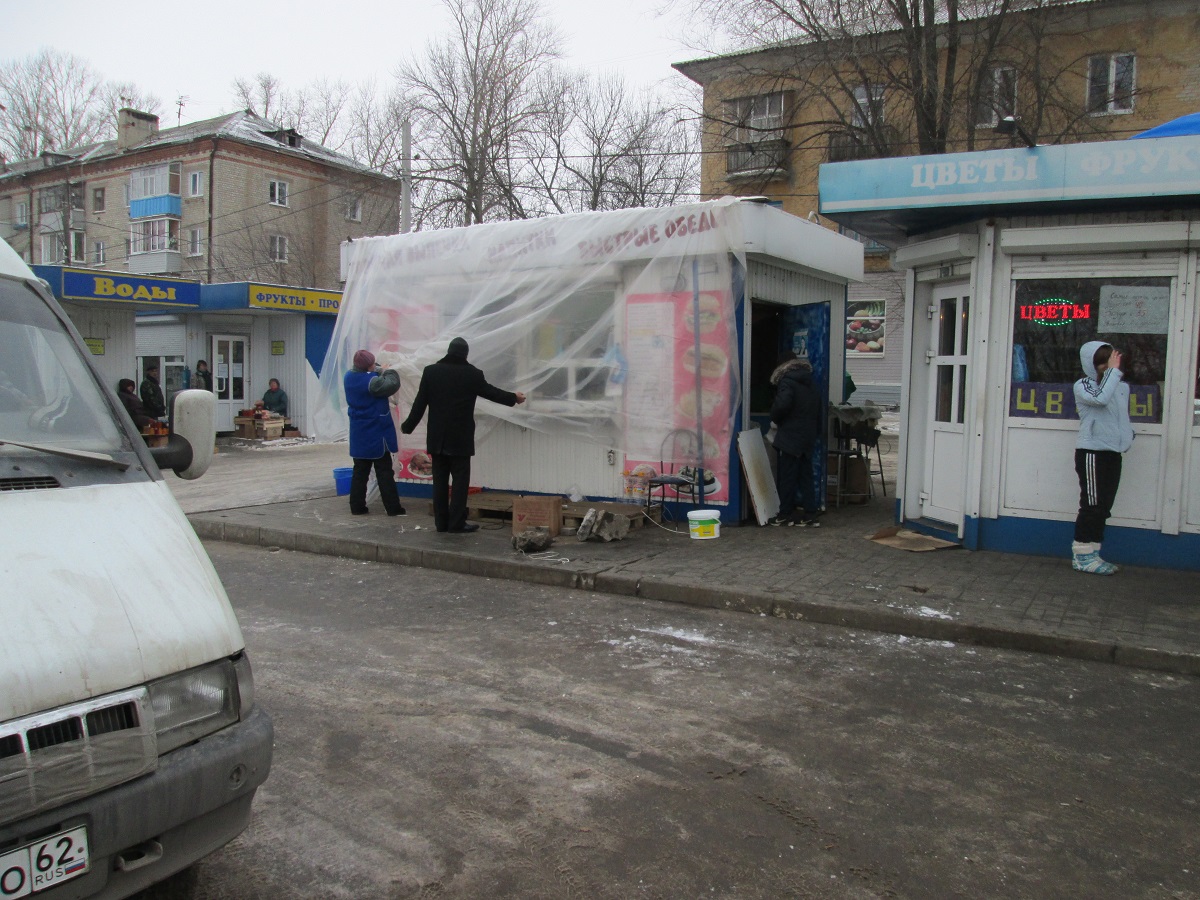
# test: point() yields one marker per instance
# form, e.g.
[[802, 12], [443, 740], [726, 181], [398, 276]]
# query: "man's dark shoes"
[[466, 528], [400, 511], [359, 512]]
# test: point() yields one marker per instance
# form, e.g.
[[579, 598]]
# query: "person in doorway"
[[372, 432], [798, 411], [1105, 433], [151, 391], [127, 391], [275, 399], [449, 389], [203, 377]]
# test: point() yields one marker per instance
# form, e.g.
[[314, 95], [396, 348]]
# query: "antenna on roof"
[[180, 102]]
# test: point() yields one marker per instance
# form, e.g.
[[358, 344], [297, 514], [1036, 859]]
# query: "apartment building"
[[235, 198], [1048, 73]]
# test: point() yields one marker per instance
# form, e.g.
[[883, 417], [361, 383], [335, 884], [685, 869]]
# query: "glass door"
[[945, 456], [230, 375]]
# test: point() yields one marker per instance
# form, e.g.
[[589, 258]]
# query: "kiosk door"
[[230, 376], [945, 456]]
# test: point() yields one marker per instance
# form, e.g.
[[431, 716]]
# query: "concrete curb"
[[821, 610]]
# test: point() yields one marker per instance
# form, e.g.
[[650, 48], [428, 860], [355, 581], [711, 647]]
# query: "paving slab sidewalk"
[[1142, 617]]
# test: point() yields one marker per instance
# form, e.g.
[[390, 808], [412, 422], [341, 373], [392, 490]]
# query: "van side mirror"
[[189, 448]]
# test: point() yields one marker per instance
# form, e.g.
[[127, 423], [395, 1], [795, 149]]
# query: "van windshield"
[[47, 394]]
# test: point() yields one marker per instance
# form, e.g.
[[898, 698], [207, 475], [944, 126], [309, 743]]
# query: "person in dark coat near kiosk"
[[449, 389], [372, 432]]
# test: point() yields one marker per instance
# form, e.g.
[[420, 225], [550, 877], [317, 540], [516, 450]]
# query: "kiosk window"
[[1054, 317]]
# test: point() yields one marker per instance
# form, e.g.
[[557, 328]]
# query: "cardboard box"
[[537, 512]]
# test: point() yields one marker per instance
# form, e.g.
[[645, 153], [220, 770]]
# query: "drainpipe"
[[211, 191]]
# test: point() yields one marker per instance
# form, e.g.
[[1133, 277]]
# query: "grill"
[[54, 757], [31, 483]]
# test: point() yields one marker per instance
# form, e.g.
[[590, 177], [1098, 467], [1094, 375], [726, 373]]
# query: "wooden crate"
[[499, 505]]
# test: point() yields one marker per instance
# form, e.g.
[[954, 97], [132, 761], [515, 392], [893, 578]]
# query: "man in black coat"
[[449, 388], [799, 414], [152, 393]]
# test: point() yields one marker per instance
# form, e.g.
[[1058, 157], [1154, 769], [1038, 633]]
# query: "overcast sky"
[[196, 50]]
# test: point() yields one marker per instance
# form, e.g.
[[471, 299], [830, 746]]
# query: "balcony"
[[761, 159], [845, 146], [156, 262], [162, 205]]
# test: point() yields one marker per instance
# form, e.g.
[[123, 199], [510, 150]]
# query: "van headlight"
[[198, 702]]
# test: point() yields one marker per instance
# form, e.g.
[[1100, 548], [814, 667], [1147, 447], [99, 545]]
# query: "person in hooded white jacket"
[[1102, 401]]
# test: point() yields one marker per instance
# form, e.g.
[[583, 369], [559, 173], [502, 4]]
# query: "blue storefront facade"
[[1013, 259]]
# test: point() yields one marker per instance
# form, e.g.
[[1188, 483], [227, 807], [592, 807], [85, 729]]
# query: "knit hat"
[[458, 347], [364, 360]]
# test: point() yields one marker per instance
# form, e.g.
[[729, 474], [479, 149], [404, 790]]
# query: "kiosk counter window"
[[1054, 317]]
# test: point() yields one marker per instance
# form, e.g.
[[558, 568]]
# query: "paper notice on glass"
[[650, 388], [1132, 309]]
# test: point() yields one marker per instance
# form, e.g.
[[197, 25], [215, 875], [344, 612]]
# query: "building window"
[[868, 106], [155, 181], [53, 248], [126, 188], [278, 249], [997, 96], [354, 209], [98, 199], [279, 193], [78, 243], [1110, 84], [755, 133], [195, 184], [195, 242], [98, 257], [22, 215], [51, 199], [1054, 317], [153, 235]]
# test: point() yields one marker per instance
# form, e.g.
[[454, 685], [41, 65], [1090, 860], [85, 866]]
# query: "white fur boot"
[[1085, 557]]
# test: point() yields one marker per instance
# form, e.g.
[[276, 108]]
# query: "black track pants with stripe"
[[1099, 474]]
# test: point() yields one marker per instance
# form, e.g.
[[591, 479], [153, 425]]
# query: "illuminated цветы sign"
[[1055, 312]]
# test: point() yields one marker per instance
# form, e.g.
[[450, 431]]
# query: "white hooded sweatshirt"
[[1103, 405]]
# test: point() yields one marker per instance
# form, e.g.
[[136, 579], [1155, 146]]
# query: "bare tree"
[[55, 100], [473, 100], [886, 77], [262, 94]]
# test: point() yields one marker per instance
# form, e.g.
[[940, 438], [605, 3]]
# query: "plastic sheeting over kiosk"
[[1015, 259], [630, 332]]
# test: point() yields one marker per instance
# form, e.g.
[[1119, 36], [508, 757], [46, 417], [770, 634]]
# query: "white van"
[[130, 745]]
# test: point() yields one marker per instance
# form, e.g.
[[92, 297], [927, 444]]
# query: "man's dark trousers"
[[450, 506]]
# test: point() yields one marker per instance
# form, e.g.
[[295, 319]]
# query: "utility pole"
[[405, 177]]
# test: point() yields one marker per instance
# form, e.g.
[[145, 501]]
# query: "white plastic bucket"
[[704, 524]]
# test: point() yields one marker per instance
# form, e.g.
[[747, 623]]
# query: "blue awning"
[[1189, 124]]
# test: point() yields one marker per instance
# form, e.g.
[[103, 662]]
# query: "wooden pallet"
[[499, 505]]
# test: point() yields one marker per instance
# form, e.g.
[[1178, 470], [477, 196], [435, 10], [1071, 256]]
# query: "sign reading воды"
[[273, 296], [82, 284]]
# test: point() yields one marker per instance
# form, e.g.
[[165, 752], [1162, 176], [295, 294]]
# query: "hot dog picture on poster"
[[675, 401]]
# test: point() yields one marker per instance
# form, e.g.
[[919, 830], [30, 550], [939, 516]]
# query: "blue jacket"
[[1103, 406], [372, 430]]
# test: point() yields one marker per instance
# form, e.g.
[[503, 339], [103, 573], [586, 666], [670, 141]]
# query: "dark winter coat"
[[372, 430], [134, 407], [276, 402], [798, 411], [449, 389], [152, 398]]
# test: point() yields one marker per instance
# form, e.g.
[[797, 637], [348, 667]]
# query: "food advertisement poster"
[[866, 327], [399, 332], [665, 411]]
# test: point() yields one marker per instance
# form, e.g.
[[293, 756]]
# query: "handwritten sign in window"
[[1134, 309]]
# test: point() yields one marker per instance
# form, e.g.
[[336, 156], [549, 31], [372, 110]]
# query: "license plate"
[[43, 864]]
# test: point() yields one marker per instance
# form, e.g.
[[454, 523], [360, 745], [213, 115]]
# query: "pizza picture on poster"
[[674, 401]]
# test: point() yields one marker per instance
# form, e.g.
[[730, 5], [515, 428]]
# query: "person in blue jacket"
[[1102, 401], [372, 432]]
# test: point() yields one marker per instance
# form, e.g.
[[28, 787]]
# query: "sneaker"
[[808, 522], [781, 520]]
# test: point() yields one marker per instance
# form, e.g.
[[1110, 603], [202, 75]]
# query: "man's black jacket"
[[449, 389]]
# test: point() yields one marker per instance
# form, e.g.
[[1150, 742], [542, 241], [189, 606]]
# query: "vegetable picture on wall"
[[866, 326]]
